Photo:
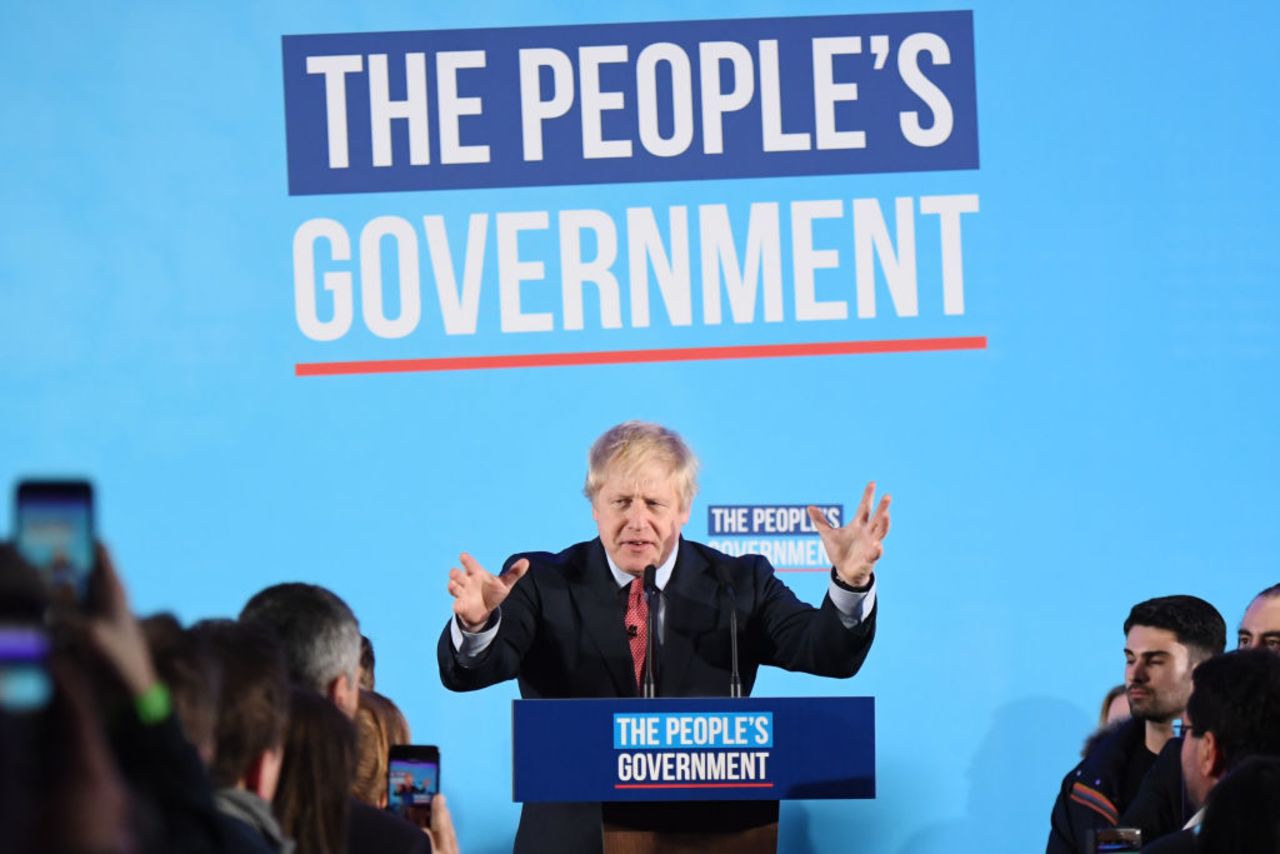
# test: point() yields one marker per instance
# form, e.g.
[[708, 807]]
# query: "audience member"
[[253, 713], [1161, 806], [379, 725], [1242, 815], [319, 758], [321, 638], [191, 670], [1112, 715], [102, 762], [1233, 714], [1260, 626], [1165, 638], [367, 662], [1115, 707]]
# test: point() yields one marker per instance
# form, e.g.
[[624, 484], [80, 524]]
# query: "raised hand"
[[115, 631], [477, 593], [856, 547]]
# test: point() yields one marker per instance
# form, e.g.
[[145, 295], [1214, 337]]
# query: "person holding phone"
[[568, 624], [321, 638]]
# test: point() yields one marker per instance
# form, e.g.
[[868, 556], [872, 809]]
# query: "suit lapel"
[[595, 596], [692, 608]]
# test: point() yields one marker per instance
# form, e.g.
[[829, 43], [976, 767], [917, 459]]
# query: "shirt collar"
[[664, 571]]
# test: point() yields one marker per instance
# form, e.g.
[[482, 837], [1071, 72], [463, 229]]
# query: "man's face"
[[639, 514], [1261, 624], [1157, 673]]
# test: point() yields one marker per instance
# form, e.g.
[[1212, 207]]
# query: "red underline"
[[623, 357], [802, 569], [693, 785]]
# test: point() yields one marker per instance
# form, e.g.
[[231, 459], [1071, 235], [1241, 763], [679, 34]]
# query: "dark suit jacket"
[[1179, 842], [374, 831], [562, 635]]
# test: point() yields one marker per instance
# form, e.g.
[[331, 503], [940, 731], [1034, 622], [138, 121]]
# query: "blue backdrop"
[[1096, 429]]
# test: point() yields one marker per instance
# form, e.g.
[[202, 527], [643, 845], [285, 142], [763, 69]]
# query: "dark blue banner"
[[660, 101], [694, 749]]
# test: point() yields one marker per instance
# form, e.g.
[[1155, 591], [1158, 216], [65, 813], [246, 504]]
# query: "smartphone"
[[413, 778], [1117, 840], [25, 683], [53, 529]]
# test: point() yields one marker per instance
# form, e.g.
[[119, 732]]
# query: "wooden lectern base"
[[626, 840], [731, 827]]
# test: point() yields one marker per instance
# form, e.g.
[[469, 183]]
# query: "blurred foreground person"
[[319, 760], [1243, 812], [94, 759], [1233, 714]]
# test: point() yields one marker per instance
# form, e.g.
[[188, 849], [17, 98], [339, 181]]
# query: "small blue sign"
[[694, 749]]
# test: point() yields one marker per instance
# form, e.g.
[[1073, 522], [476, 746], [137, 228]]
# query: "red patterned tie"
[[637, 625]]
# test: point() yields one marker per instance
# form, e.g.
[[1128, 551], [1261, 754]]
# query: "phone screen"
[[1114, 840], [54, 527], [25, 685], [413, 778]]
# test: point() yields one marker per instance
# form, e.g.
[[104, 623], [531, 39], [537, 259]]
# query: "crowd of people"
[[1187, 754], [265, 733], [256, 734]]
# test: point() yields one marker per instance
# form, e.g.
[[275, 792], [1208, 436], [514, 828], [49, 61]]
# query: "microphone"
[[632, 631], [726, 584], [651, 598]]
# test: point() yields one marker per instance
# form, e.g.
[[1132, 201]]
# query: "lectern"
[[676, 775]]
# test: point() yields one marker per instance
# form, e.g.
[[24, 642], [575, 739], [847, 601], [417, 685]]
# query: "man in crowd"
[[1260, 626], [1160, 807], [253, 711], [1233, 714], [574, 624], [1165, 639], [321, 639]]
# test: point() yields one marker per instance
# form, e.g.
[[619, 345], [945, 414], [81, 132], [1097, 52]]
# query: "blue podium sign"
[[694, 749]]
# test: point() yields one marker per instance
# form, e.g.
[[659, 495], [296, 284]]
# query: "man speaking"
[[574, 624]]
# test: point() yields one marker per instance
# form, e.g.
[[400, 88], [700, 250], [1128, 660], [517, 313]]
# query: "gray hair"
[[319, 633]]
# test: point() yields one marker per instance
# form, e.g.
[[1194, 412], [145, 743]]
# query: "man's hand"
[[444, 840], [477, 593], [856, 547], [115, 632]]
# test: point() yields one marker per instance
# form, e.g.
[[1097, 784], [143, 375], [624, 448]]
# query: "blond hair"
[[632, 444], [379, 724]]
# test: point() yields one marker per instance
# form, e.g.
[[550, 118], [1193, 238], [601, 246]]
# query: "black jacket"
[[1091, 795]]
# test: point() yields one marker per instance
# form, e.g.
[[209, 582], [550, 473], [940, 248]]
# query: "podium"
[[678, 774]]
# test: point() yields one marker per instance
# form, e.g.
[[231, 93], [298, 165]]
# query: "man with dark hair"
[[253, 711], [1260, 626], [321, 639], [1233, 713], [1165, 638], [1161, 806]]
